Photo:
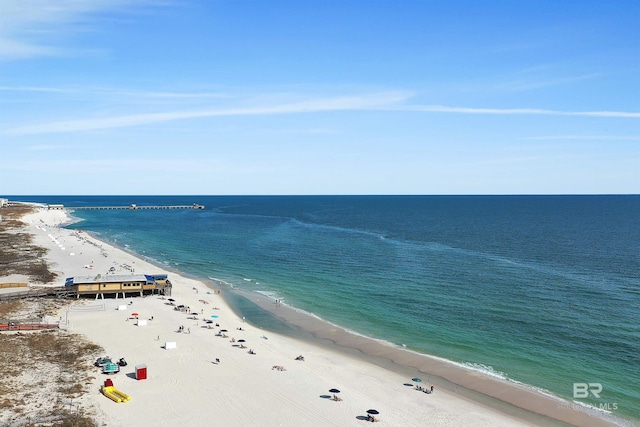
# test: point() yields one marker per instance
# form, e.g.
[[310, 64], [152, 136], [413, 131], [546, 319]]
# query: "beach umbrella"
[[416, 379], [134, 314], [223, 330], [171, 299], [215, 316], [334, 391], [242, 341], [372, 412]]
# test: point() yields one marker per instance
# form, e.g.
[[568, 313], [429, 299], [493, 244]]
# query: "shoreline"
[[518, 403], [520, 400]]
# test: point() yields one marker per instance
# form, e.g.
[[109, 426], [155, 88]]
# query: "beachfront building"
[[55, 207], [118, 285], [4, 203]]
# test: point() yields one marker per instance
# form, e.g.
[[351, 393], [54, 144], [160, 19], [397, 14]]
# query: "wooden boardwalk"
[[58, 291]]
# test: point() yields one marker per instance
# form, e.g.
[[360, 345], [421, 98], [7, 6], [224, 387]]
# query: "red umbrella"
[[134, 314]]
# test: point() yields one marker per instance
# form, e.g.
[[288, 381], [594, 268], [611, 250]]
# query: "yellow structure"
[[114, 394], [13, 285]]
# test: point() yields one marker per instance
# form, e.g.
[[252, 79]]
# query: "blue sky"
[[319, 97]]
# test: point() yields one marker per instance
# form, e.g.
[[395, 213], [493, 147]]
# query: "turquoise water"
[[542, 290]]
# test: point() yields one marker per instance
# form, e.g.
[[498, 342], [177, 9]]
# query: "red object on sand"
[[108, 382], [141, 372]]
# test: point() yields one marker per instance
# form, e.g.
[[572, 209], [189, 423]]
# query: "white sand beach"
[[186, 386]]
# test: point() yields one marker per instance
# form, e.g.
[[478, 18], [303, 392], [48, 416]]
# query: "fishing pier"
[[132, 207]]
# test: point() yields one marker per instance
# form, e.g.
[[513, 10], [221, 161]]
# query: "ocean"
[[539, 290]]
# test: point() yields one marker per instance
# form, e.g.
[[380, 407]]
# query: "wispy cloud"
[[584, 138], [538, 83], [104, 91], [366, 102], [516, 111], [33, 89], [49, 147], [33, 28], [388, 101]]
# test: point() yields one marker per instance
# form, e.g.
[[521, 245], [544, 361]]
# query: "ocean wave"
[[270, 294], [483, 369]]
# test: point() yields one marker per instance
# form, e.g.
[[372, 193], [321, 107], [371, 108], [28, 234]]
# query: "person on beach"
[[432, 389]]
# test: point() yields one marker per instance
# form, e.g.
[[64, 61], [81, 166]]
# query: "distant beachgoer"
[[217, 360], [431, 389]]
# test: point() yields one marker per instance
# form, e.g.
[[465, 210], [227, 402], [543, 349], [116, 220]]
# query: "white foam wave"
[[220, 281], [269, 294], [590, 407], [483, 369]]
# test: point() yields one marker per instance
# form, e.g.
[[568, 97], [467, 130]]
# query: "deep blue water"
[[543, 290]]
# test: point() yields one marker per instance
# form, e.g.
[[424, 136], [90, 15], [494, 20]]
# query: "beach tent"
[[170, 345]]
